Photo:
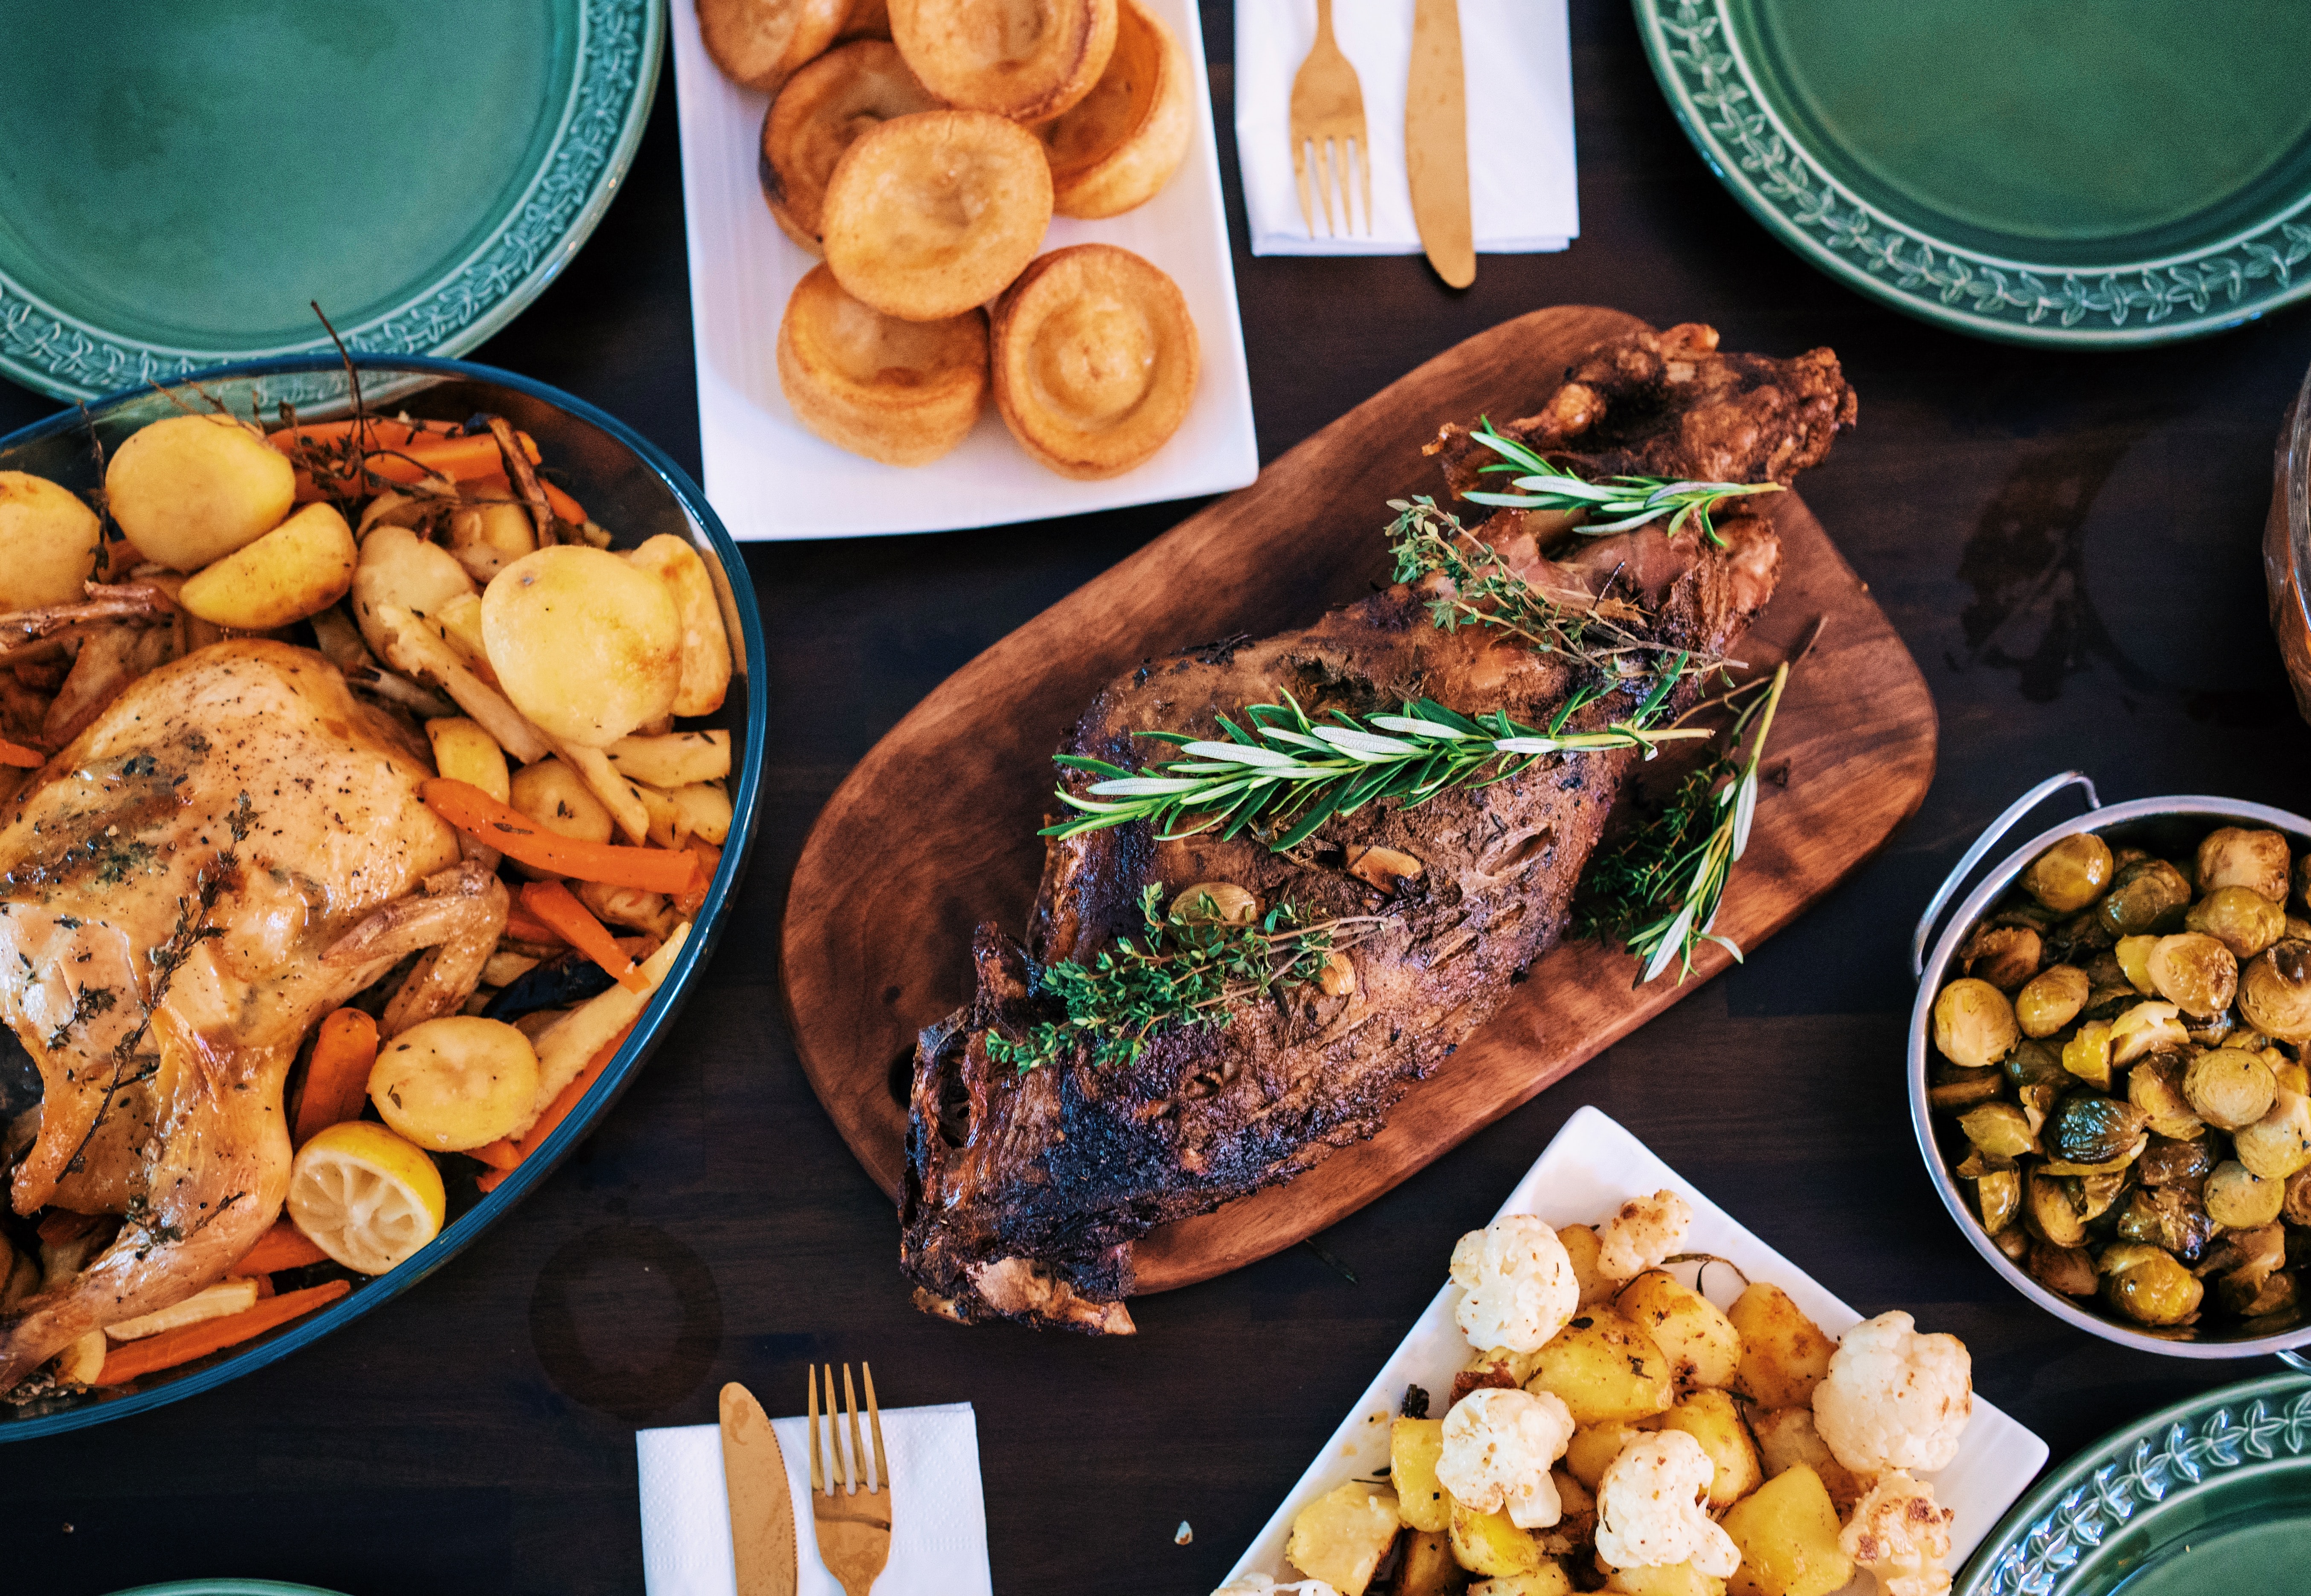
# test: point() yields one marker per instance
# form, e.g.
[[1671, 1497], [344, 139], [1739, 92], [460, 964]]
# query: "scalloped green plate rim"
[[2211, 1493], [183, 179], [226, 1587], [2080, 173]]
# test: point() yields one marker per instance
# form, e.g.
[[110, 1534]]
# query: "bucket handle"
[[1983, 844], [2296, 1360]]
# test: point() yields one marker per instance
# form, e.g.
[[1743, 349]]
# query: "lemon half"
[[365, 1197]]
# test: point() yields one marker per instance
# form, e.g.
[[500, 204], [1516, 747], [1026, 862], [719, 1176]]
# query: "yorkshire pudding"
[[819, 114], [902, 392], [867, 19], [1026, 59], [931, 214], [1095, 360], [759, 43], [1123, 141]]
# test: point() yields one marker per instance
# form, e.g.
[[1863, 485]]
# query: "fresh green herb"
[[1630, 500], [87, 1002], [1295, 773], [117, 863], [1659, 889], [1187, 971]]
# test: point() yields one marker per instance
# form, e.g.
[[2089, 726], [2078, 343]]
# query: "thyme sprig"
[[1630, 500], [1294, 773], [1188, 970], [1660, 888]]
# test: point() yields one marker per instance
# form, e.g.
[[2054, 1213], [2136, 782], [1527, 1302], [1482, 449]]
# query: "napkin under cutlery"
[[1519, 64], [939, 1519]]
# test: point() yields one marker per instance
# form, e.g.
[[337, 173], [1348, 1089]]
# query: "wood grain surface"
[[935, 830]]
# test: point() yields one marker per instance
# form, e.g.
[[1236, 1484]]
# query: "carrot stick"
[[559, 907], [523, 926], [456, 459], [283, 1247], [132, 1360], [518, 837], [16, 753], [562, 504], [389, 432], [336, 1080], [559, 1110], [693, 898]]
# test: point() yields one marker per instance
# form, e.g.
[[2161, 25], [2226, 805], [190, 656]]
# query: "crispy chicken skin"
[[171, 884], [1023, 1192]]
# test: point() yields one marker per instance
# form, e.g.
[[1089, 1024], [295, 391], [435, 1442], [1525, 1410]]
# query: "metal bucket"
[[2168, 826]]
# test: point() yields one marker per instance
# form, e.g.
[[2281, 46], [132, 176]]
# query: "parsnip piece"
[[226, 1296], [674, 759], [615, 793], [415, 648], [564, 1046]]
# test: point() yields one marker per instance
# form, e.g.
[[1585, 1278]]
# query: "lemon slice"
[[365, 1197]]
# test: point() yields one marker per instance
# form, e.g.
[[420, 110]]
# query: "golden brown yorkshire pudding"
[[1026, 59], [1123, 141], [820, 113], [929, 215], [1095, 360], [902, 392], [869, 19], [757, 43]]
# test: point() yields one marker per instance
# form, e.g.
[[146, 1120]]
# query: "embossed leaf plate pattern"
[[182, 180], [2077, 172]]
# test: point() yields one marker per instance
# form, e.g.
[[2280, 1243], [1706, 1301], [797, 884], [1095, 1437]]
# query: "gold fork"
[[853, 1523], [1327, 128]]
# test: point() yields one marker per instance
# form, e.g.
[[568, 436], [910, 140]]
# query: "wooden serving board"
[[935, 830]]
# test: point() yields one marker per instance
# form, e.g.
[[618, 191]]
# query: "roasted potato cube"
[[1547, 1580], [1787, 1439], [1429, 1567], [1603, 1368], [1674, 1579], [1581, 1246], [1593, 1447], [1702, 1348], [1783, 1354], [1486, 1543], [1414, 1445], [1712, 1418], [1787, 1530], [1341, 1535]]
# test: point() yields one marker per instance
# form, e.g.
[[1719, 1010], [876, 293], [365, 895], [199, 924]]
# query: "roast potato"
[[1024, 59], [1489, 1544], [1702, 1348], [1712, 1418], [902, 392], [299, 569], [1785, 1354], [1123, 141], [587, 646], [1428, 1567], [928, 216], [1095, 360], [1341, 1535], [818, 114], [456, 1083], [1787, 1530], [1603, 1368], [188, 490], [705, 645], [49, 542], [1414, 1445], [1594, 1448], [463, 750], [1673, 1579], [489, 534], [398, 568], [559, 799]]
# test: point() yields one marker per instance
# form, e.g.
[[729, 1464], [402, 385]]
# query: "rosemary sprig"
[[1187, 971], [1631, 501], [1660, 889], [1295, 773]]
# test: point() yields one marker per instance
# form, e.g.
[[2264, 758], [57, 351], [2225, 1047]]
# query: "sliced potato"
[[585, 645], [464, 752], [1787, 1530], [1414, 1445], [676, 759], [188, 490], [1341, 1535], [1702, 1348], [299, 569], [557, 797], [705, 645], [1489, 1544], [1603, 1368], [398, 567], [48, 542], [456, 1083], [1785, 1354]]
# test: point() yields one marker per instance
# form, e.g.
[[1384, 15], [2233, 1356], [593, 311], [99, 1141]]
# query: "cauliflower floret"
[[1645, 1231], [1498, 1445], [1651, 1511], [1894, 1399], [1899, 1534], [1517, 1282], [1260, 1584]]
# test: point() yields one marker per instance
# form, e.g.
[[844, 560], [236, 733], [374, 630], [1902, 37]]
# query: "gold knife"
[[762, 1512], [1436, 142]]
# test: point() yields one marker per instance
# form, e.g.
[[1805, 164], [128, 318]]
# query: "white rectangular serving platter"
[[1592, 1167], [769, 477]]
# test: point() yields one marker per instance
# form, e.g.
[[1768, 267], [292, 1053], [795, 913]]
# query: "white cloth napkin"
[[1518, 65], [938, 1519]]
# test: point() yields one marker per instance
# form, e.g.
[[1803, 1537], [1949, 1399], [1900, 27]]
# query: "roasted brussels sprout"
[[2297, 1209], [2234, 856], [2065, 1269], [2279, 1143], [2274, 993], [2182, 1164], [2087, 1055], [2145, 1028], [2213, 1032], [2004, 955], [2133, 957], [2070, 875], [2000, 1130], [2149, 895], [2250, 1297], [1955, 1089], [2152, 1288], [1997, 1196], [2090, 1129], [2035, 1063], [2195, 973], [2238, 1199], [2047, 1209], [2051, 999], [2014, 1242], [2242, 921], [1973, 1023], [2165, 1217], [2154, 1085], [2094, 1195], [2230, 1089], [2037, 1099]]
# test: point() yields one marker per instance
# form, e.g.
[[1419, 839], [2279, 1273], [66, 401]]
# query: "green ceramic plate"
[[178, 181], [227, 1587], [2084, 172], [2212, 1494]]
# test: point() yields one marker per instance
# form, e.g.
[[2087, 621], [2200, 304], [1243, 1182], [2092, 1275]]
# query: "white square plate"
[[1591, 1169], [770, 477]]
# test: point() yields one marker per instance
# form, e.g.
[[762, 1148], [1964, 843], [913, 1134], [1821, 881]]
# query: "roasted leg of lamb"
[[1025, 1189]]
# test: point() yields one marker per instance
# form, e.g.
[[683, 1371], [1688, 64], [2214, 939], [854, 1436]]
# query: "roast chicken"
[[1024, 1191], [230, 849]]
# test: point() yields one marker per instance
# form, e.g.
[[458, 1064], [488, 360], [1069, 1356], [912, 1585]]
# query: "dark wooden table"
[[2067, 544]]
